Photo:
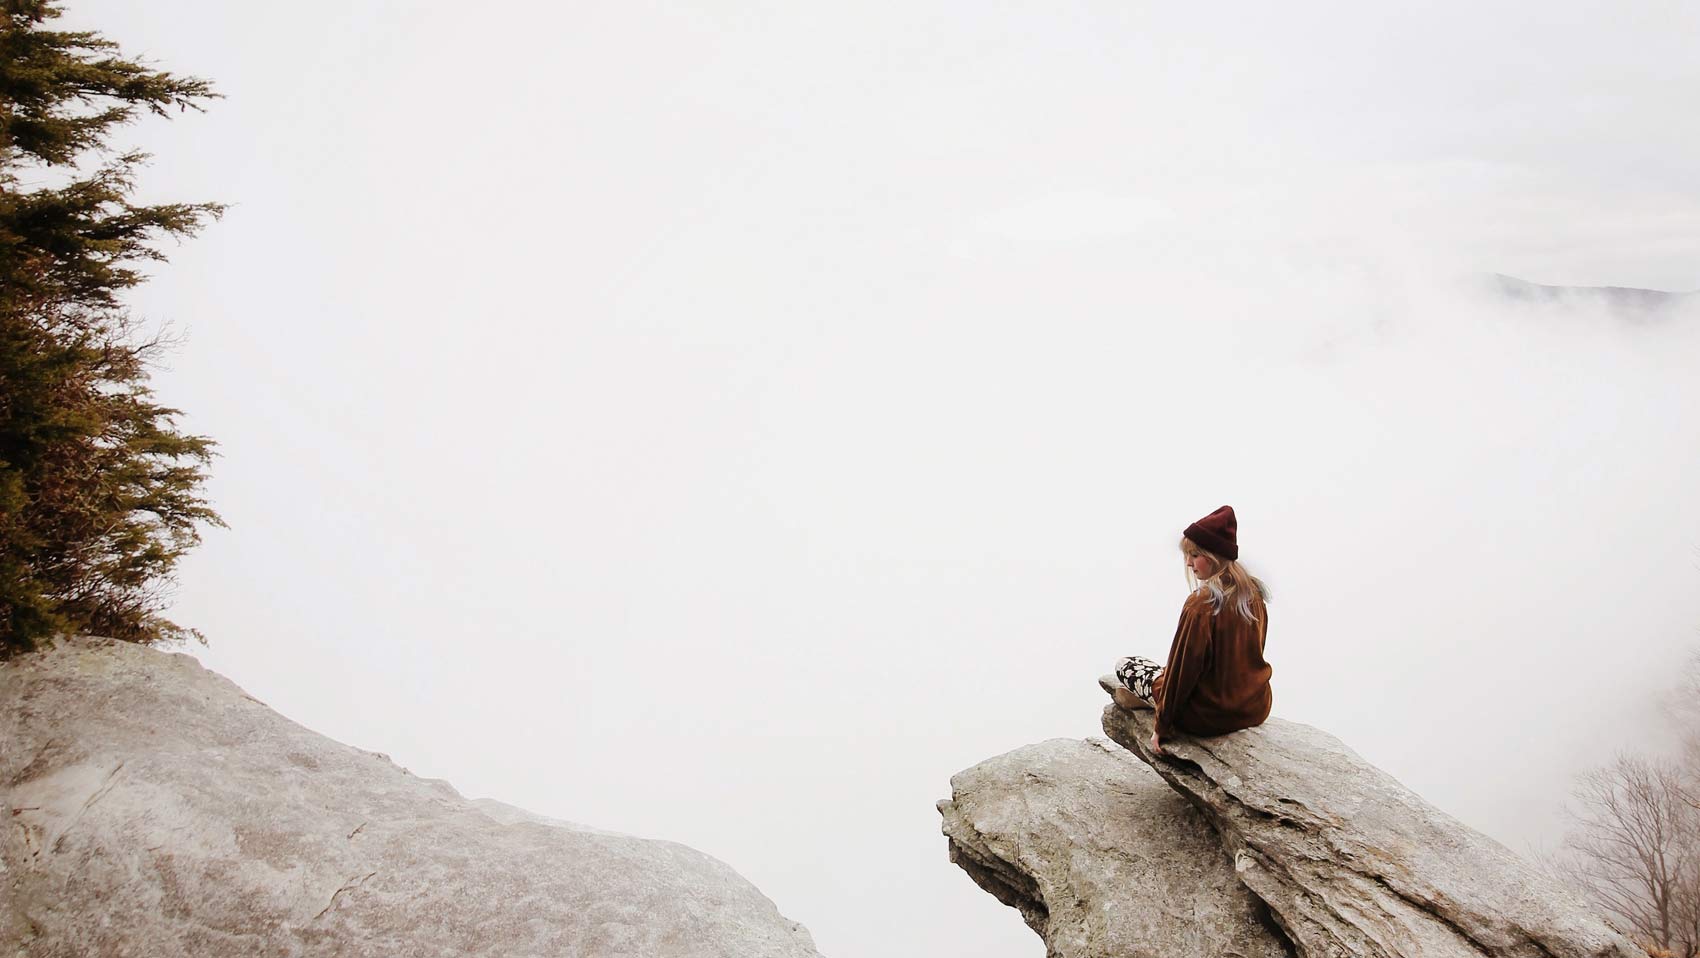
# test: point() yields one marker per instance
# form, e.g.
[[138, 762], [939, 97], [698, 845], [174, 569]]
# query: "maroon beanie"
[[1215, 533]]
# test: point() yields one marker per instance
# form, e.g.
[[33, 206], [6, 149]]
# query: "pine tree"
[[100, 494]]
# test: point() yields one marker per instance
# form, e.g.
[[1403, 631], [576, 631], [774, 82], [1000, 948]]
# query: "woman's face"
[[1200, 564]]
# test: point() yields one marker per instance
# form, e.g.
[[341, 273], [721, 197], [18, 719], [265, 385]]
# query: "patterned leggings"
[[1137, 674]]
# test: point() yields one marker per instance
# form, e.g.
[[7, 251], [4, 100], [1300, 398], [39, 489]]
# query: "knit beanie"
[[1215, 533]]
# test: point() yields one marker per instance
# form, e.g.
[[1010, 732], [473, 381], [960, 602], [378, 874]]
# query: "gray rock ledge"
[[1101, 858], [149, 807], [1351, 863]]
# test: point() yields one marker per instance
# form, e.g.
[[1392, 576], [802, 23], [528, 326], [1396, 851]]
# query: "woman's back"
[[1217, 677], [1216, 680]]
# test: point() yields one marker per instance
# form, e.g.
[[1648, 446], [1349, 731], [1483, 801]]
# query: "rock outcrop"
[[1101, 857], [151, 807], [1350, 862], [1300, 847]]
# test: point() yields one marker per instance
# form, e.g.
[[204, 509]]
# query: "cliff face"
[[1294, 829], [151, 807], [1352, 863], [1101, 857]]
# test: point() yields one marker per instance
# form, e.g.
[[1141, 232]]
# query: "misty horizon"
[[723, 425]]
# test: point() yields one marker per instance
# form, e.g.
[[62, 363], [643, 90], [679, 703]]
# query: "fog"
[[724, 425]]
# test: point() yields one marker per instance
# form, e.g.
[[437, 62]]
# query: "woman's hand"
[[1157, 745]]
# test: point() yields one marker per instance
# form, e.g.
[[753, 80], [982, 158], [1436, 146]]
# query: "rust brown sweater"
[[1215, 681]]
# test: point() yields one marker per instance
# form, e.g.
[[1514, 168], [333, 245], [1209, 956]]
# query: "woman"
[[1216, 680]]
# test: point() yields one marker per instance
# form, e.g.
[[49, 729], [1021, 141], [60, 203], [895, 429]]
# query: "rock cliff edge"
[[1298, 847], [148, 806]]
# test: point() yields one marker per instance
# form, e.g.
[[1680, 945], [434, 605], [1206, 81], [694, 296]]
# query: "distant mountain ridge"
[[1627, 301]]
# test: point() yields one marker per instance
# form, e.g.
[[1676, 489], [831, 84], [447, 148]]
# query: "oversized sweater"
[[1216, 680]]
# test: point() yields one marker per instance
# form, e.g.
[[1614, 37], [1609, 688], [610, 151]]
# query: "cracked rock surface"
[[150, 807], [1101, 857], [1350, 862]]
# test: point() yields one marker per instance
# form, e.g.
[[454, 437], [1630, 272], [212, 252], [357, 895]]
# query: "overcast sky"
[[724, 422]]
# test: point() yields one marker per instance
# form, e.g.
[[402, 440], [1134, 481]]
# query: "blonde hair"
[[1229, 581]]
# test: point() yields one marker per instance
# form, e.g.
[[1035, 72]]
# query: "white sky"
[[724, 424]]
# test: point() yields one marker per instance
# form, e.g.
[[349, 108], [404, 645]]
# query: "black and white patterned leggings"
[[1137, 673]]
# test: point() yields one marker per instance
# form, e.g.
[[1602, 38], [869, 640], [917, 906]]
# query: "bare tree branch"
[[1635, 848]]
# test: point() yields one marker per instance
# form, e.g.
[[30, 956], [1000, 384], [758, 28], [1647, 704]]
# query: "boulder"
[[1350, 862], [150, 807], [1101, 857]]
